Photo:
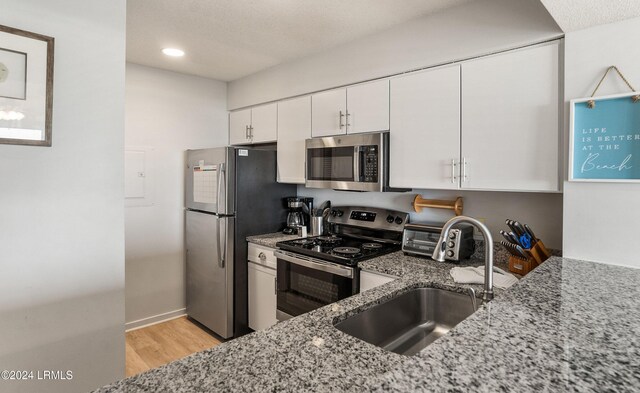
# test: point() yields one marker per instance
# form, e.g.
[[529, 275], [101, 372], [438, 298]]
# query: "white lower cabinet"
[[262, 287], [370, 280]]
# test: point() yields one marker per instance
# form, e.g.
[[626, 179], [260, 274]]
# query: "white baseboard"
[[144, 322]]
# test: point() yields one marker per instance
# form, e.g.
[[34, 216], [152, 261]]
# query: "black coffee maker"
[[298, 215]]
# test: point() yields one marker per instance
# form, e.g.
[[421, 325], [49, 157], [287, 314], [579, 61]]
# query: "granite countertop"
[[270, 239], [400, 265], [569, 325]]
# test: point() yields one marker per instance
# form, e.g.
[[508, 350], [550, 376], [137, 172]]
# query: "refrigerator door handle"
[[221, 175], [222, 246]]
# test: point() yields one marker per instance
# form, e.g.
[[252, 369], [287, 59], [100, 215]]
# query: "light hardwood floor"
[[155, 345]]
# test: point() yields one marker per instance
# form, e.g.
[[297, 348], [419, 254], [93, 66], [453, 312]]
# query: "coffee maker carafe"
[[298, 215]]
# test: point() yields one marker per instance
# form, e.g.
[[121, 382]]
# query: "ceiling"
[[229, 39], [572, 15]]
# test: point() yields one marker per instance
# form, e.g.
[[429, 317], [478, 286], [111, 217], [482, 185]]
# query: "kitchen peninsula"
[[552, 332]]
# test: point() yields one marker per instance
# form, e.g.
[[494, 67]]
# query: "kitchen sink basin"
[[409, 322]]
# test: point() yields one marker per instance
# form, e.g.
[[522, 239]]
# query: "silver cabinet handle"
[[341, 117], [246, 132], [463, 174], [348, 116], [453, 171], [251, 132]]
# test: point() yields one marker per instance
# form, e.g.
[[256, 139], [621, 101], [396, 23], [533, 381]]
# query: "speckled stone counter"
[[567, 326], [401, 265], [270, 239]]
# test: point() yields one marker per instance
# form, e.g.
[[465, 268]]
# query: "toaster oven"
[[421, 239]]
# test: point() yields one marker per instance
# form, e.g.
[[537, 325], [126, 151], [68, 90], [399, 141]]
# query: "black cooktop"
[[339, 249]]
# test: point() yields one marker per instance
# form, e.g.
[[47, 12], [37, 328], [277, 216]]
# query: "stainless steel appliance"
[[358, 162], [317, 271], [230, 194], [421, 239], [298, 215]]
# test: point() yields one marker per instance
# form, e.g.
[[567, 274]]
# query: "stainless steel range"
[[316, 271]]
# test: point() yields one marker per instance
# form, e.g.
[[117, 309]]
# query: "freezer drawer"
[[210, 271]]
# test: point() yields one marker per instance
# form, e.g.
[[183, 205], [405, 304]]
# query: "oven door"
[[305, 283]]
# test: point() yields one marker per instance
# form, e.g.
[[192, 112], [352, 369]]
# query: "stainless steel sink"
[[406, 324]]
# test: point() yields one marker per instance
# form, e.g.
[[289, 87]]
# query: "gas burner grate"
[[346, 250], [372, 246], [303, 242], [329, 239]]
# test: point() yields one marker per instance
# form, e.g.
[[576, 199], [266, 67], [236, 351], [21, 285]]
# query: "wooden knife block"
[[536, 255]]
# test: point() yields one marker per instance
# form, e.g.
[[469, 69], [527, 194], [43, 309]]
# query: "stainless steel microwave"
[[358, 162]]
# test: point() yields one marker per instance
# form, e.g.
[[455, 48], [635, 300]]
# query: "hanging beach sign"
[[605, 137]]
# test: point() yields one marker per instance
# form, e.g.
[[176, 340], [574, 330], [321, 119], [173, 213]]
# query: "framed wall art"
[[605, 139], [26, 87]]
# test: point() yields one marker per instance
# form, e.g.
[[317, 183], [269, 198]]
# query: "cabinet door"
[[425, 129], [370, 280], [328, 113], [239, 123], [368, 107], [294, 126], [510, 124], [264, 123], [262, 297]]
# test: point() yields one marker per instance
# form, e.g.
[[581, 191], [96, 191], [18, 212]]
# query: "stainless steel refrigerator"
[[231, 193]]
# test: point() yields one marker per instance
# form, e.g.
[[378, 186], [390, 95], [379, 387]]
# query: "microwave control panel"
[[370, 163]]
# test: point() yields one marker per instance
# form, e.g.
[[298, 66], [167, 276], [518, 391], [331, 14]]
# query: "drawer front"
[[262, 255]]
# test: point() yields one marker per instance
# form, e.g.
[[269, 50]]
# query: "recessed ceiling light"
[[173, 52]]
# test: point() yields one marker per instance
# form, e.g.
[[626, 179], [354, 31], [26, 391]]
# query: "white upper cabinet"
[[351, 110], [254, 125], [368, 107], [510, 120], [264, 123], [239, 123], [329, 112], [425, 129], [294, 127]]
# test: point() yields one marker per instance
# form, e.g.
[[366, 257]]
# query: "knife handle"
[[530, 232]]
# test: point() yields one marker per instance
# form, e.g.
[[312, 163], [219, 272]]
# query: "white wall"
[[602, 219], [543, 212], [474, 29], [61, 214], [170, 113]]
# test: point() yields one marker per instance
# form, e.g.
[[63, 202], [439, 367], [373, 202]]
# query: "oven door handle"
[[328, 267]]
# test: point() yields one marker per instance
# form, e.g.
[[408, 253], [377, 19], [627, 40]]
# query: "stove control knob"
[[451, 244], [333, 213], [452, 235], [450, 254], [398, 220], [339, 213], [390, 219]]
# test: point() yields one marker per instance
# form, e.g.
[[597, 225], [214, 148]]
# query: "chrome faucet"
[[439, 251]]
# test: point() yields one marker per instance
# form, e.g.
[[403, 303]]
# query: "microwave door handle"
[[357, 168]]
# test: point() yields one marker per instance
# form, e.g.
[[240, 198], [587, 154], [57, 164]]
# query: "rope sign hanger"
[[591, 103]]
